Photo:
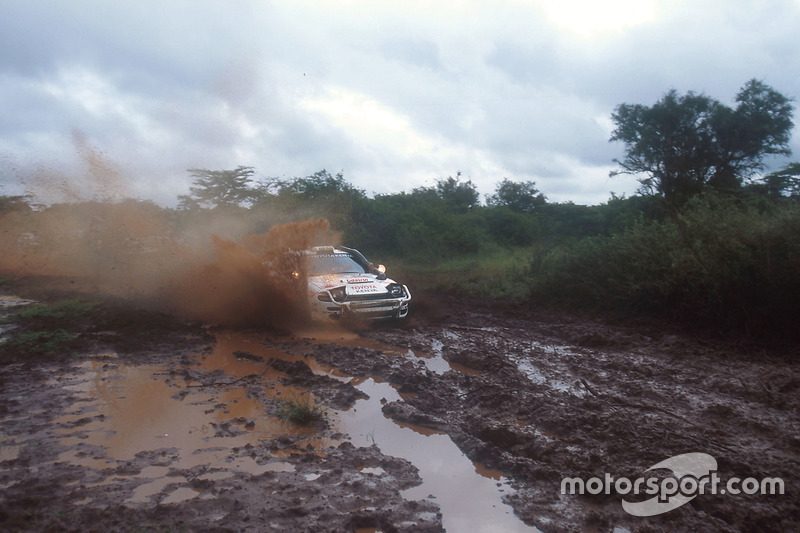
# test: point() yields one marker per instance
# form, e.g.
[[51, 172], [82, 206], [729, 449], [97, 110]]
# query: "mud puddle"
[[186, 434], [179, 432], [433, 359], [468, 494], [123, 412]]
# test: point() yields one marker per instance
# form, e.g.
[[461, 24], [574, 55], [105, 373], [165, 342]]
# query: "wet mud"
[[465, 417]]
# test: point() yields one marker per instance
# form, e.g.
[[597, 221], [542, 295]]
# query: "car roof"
[[326, 250]]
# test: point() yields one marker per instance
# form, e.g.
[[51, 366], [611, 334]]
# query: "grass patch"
[[40, 342], [44, 329], [301, 411], [62, 310], [499, 273]]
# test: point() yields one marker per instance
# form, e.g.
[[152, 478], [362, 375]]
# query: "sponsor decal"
[[362, 289], [359, 280]]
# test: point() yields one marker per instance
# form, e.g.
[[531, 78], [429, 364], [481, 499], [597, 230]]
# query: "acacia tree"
[[686, 144], [784, 182], [219, 188]]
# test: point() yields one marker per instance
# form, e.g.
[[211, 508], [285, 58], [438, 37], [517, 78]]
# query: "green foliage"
[[720, 262], [320, 194], [319, 186], [496, 273], [688, 144], [781, 183], [420, 224], [59, 310], [518, 197], [219, 188], [41, 342], [456, 194], [43, 329], [510, 228], [301, 411], [569, 221]]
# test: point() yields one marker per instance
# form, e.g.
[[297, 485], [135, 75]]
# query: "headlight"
[[396, 291], [339, 294]]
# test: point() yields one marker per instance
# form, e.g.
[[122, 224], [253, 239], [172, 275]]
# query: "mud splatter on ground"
[[523, 398]]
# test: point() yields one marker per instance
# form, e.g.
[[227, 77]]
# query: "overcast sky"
[[394, 95]]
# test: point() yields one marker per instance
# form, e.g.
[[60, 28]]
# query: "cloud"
[[393, 95]]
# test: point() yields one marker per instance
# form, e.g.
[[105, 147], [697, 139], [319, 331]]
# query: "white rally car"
[[339, 281]]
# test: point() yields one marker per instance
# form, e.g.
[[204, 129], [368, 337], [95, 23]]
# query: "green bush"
[[724, 262], [509, 228]]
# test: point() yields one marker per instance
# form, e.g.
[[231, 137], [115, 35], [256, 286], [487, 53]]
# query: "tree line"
[[705, 238], [680, 147]]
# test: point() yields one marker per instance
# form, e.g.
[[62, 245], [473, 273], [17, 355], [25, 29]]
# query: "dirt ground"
[[465, 417]]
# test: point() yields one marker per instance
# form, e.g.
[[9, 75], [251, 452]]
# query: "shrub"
[[721, 261], [300, 410]]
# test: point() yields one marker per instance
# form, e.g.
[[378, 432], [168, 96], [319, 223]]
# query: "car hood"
[[354, 283]]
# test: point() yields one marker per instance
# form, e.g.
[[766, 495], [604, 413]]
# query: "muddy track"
[[465, 418]]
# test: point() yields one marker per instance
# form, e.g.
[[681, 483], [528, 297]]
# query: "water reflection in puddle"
[[435, 361], [468, 495], [125, 410], [143, 493], [135, 411]]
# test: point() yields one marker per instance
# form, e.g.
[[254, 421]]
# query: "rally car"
[[339, 281]]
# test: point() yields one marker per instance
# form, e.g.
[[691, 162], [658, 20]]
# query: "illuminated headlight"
[[395, 291], [339, 294]]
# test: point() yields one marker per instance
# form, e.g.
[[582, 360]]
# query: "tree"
[[219, 188], [319, 185], [686, 144], [784, 182], [458, 194], [519, 197]]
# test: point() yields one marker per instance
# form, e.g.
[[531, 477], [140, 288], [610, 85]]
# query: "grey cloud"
[[424, 54], [204, 84]]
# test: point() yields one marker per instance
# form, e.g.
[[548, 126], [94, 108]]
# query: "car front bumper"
[[372, 308]]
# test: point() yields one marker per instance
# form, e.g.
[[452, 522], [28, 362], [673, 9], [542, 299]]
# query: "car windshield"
[[319, 264]]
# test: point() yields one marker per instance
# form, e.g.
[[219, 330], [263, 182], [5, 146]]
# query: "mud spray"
[[210, 266]]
